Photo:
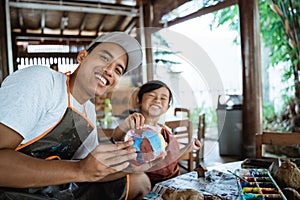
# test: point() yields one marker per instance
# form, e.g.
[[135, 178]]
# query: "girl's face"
[[156, 102]]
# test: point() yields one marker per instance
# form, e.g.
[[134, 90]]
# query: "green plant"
[[280, 32], [210, 116], [288, 12]]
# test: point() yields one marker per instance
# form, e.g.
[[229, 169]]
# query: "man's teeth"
[[103, 80]]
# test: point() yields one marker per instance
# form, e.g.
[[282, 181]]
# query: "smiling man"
[[48, 137]]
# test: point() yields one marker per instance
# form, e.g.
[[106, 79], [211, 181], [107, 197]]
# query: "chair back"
[[275, 138], [183, 132], [183, 111], [200, 136]]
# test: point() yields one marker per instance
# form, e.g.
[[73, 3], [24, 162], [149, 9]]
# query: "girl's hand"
[[133, 121], [197, 144]]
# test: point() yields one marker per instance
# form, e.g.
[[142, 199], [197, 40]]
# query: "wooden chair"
[[193, 158], [183, 131], [275, 138], [200, 136], [182, 110]]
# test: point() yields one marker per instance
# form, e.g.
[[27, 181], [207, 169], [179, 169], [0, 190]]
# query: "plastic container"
[[229, 115]]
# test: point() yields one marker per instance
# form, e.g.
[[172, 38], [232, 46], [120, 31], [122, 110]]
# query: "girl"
[[153, 100]]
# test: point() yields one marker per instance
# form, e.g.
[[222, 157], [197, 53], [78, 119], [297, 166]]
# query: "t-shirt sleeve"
[[24, 96]]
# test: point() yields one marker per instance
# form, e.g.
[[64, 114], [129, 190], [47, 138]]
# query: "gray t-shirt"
[[34, 99]]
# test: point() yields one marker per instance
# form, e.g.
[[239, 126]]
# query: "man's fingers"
[[115, 157], [143, 167], [112, 161], [114, 147], [121, 167]]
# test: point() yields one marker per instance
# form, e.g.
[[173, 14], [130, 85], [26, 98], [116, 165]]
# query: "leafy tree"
[[280, 32], [288, 12]]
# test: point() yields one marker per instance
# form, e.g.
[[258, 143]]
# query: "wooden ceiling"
[[40, 21], [69, 20]]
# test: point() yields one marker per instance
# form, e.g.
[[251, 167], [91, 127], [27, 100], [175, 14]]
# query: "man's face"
[[101, 69]]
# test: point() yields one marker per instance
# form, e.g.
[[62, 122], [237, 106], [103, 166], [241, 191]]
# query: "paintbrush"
[[237, 176]]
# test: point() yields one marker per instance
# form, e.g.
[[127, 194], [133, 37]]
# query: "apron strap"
[[68, 87]]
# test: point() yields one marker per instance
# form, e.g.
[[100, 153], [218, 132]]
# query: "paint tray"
[[258, 184]]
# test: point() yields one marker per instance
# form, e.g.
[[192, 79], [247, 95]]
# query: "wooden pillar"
[[148, 14], [3, 43], [14, 52], [252, 97], [146, 30]]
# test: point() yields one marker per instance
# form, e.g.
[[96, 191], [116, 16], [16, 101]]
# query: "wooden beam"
[[130, 25], [62, 22], [48, 55], [43, 21], [21, 20], [48, 38], [203, 11], [148, 19], [252, 98], [160, 8], [101, 24], [76, 7], [121, 23], [3, 43], [82, 23]]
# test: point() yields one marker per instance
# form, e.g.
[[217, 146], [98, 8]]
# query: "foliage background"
[[279, 22]]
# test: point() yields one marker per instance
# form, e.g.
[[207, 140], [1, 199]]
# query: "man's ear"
[[81, 55]]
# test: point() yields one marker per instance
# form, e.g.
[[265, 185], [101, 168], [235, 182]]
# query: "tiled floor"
[[212, 156]]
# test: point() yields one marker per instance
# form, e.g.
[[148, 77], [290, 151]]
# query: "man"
[[48, 139]]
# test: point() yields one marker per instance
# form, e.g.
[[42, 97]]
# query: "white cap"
[[130, 45]]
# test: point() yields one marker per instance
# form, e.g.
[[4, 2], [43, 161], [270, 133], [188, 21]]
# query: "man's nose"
[[109, 69]]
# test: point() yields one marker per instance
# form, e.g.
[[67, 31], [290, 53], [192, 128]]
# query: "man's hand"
[[133, 168], [107, 159]]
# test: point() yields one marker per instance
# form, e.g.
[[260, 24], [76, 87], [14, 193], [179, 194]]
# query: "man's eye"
[[104, 58], [119, 71]]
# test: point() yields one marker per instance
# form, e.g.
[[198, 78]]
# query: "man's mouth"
[[103, 80]]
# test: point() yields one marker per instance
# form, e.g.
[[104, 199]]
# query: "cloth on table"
[[215, 183]]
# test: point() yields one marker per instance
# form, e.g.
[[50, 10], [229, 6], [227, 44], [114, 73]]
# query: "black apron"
[[61, 142]]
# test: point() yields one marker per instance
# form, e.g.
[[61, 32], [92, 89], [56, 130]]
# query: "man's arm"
[[20, 170]]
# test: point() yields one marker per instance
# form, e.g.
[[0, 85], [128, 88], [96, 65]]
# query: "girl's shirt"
[[168, 167]]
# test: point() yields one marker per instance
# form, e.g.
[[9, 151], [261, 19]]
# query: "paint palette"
[[258, 184]]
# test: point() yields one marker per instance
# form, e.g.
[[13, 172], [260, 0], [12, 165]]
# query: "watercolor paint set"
[[258, 184]]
